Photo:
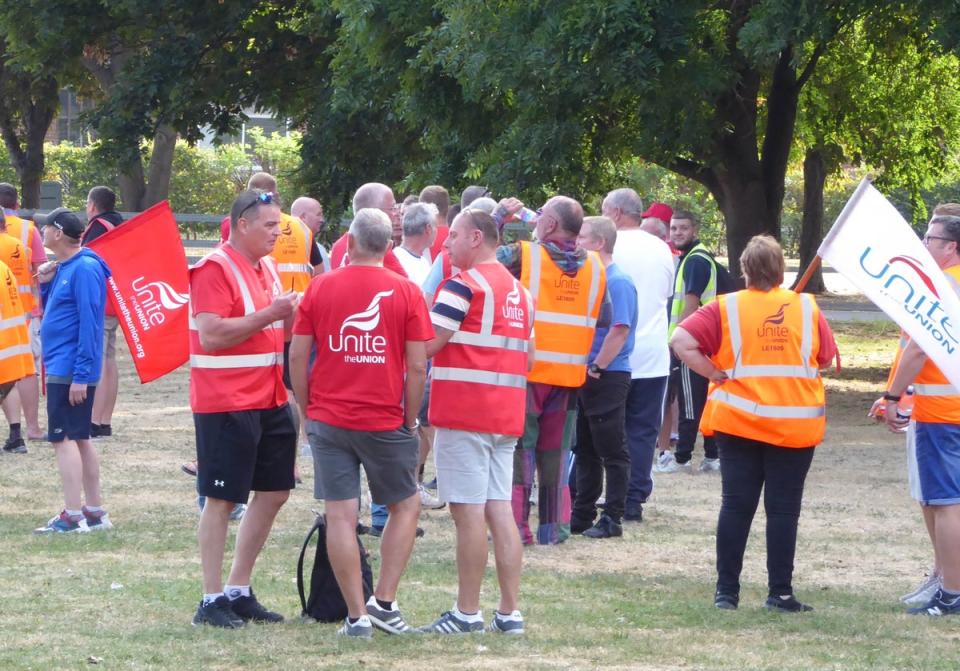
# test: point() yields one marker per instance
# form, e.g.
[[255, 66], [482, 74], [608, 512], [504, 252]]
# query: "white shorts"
[[33, 328], [473, 467]]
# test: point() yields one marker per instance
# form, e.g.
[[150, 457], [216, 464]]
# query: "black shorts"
[[244, 451], [286, 367], [65, 421]]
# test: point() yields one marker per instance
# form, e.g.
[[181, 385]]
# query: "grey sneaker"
[[709, 465], [510, 624], [662, 460], [924, 592], [449, 623], [390, 621], [670, 465], [359, 629]]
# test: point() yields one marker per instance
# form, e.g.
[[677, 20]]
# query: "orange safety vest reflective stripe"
[[17, 259], [935, 399], [774, 393], [16, 359], [22, 230], [566, 314], [246, 373], [479, 378], [292, 254]]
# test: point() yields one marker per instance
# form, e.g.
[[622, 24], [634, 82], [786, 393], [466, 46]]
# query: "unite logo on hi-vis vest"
[[362, 347], [511, 310], [773, 331]]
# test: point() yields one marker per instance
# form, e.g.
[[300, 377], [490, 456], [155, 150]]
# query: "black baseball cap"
[[63, 219]]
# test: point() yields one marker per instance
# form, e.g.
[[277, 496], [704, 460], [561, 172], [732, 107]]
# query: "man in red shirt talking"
[[362, 397]]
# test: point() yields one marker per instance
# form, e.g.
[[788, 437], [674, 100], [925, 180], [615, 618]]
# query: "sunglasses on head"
[[265, 198]]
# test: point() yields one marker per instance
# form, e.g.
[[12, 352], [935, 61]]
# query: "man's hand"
[[46, 271], [895, 423], [78, 393], [718, 376], [509, 207], [284, 306]]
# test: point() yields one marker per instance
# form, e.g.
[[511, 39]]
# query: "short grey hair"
[[603, 229], [486, 204], [655, 226], [369, 195], [950, 223], [371, 230], [626, 200], [417, 217]]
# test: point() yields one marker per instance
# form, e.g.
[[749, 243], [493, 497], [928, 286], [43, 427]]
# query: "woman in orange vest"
[[761, 349]]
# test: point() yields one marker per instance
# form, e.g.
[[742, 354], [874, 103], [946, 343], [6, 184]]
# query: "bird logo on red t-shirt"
[[368, 319]]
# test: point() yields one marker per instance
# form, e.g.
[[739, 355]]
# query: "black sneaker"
[[578, 526], [218, 613], [249, 609], [15, 446], [633, 514], [606, 527], [100, 430], [786, 603], [726, 601], [939, 606]]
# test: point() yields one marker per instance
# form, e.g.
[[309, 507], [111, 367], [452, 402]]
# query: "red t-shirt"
[[361, 318], [224, 229], [437, 246], [338, 257], [704, 326], [256, 388]]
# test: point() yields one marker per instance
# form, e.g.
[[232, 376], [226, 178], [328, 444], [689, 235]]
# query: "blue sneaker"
[[63, 524], [939, 605], [510, 624]]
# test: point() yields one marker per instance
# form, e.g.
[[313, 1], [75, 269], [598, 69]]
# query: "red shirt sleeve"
[[704, 326], [828, 345], [419, 326], [437, 246], [338, 251], [210, 291], [224, 229]]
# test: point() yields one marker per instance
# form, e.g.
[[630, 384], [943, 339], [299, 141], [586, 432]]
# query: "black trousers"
[[691, 397], [601, 446], [746, 467]]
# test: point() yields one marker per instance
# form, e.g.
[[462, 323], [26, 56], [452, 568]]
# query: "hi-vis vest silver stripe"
[[741, 371], [14, 350], [565, 319], [768, 411], [935, 390], [294, 268], [479, 377], [486, 338], [24, 288], [482, 340], [19, 320], [235, 360], [560, 357]]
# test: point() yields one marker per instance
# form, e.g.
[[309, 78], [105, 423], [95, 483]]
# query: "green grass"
[[124, 599]]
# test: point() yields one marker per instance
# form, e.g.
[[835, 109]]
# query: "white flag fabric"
[[874, 247]]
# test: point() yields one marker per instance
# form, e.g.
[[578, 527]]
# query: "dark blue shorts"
[[65, 421]]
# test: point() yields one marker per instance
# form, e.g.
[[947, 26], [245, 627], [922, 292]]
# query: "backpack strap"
[[303, 551]]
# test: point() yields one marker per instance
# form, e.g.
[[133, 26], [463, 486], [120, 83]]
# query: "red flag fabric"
[[149, 289]]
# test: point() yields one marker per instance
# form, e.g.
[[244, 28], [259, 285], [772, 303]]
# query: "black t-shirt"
[[315, 258], [95, 228], [696, 272]]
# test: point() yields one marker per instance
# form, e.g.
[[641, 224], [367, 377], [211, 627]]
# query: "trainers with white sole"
[[510, 623], [428, 500], [361, 629], [924, 592], [709, 465], [451, 623], [390, 621], [64, 524], [97, 521], [670, 465], [662, 460]]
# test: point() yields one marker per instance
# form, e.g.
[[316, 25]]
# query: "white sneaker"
[[671, 466], [709, 465], [662, 460], [924, 592], [428, 500]]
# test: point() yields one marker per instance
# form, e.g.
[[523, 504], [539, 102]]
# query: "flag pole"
[[807, 274]]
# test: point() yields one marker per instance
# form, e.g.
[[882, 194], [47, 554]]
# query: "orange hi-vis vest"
[[774, 392], [16, 358], [246, 374], [17, 259], [935, 399], [22, 230], [292, 254], [566, 314], [480, 376]]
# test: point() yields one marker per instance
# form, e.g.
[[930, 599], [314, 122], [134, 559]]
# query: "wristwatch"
[[596, 370], [887, 396], [411, 429]]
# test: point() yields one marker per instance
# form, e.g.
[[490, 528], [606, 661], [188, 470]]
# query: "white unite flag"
[[871, 245]]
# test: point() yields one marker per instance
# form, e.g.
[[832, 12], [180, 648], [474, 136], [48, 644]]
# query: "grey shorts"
[[473, 467], [110, 337], [33, 328], [389, 458]]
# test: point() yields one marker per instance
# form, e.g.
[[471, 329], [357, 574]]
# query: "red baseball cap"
[[661, 211]]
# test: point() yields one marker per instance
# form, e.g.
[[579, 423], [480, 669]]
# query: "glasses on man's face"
[[928, 238], [265, 198]]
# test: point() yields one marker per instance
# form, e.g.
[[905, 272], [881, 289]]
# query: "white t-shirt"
[[649, 263], [416, 267]]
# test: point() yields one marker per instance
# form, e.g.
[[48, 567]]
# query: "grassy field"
[[124, 599]]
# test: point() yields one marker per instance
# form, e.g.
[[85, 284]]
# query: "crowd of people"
[[547, 371]]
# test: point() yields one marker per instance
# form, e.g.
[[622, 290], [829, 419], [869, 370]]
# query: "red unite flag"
[[149, 289]]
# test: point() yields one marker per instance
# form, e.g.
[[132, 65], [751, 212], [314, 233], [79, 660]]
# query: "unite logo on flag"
[[151, 299]]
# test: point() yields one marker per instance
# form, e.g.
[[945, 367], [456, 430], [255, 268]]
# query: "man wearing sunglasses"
[[246, 438], [934, 434]]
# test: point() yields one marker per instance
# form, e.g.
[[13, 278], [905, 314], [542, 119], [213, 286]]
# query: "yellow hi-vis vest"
[[17, 259], [566, 314], [16, 359]]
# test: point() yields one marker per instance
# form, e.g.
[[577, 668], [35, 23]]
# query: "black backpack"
[[325, 603], [725, 281]]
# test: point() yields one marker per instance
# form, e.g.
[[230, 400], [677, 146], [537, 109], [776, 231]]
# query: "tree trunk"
[[24, 127], [745, 210], [132, 184], [161, 166], [811, 230]]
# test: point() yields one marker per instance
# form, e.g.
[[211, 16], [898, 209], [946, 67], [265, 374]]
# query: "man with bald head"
[[378, 197], [569, 287], [310, 211]]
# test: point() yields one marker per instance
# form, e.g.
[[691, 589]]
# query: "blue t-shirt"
[[623, 302]]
